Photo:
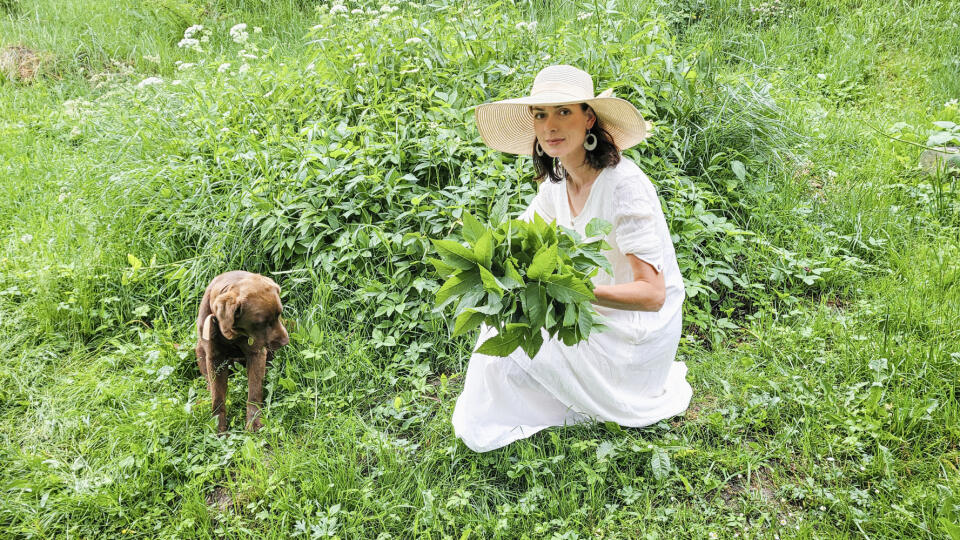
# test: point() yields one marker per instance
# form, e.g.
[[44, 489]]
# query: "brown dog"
[[239, 321]]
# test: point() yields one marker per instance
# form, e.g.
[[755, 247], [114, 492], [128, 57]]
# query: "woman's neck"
[[579, 173]]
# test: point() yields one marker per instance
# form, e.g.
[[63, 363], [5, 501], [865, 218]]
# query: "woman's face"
[[561, 130]]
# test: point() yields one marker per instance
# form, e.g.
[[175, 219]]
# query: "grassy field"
[[326, 144]]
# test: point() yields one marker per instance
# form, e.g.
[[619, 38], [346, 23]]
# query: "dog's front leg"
[[256, 368], [217, 379]]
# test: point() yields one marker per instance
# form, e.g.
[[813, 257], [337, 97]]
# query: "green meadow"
[[149, 145]]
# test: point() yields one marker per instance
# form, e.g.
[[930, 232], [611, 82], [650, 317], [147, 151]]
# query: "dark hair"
[[604, 155]]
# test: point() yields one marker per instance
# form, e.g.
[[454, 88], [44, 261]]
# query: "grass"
[[822, 341]]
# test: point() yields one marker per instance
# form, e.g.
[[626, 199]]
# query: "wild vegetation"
[[154, 144]]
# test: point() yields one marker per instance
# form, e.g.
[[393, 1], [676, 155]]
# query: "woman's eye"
[[539, 115]]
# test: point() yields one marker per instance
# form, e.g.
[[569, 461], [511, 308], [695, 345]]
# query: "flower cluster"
[[528, 26], [239, 33], [193, 37], [767, 12], [584, 15]]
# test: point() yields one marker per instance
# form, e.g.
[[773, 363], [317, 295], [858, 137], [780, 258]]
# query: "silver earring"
[[589, 145], [538, 148]]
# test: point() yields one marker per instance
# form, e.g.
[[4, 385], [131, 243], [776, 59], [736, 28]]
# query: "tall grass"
[[823, 296]]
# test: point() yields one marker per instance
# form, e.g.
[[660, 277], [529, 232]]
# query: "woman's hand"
[[646, 292]]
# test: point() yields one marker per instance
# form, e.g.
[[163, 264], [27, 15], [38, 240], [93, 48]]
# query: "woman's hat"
[[507, 125]]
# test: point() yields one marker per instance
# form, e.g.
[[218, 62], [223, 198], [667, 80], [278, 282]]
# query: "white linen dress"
[[627, 373]]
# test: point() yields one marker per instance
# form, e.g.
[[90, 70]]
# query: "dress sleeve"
[[542, 204], [635, 223]]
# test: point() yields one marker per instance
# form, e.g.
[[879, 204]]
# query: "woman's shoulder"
[[628, 182]]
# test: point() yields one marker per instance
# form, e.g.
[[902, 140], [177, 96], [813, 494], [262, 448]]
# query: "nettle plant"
[[521, 278]]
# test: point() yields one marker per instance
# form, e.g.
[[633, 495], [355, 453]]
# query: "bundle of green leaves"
[[521, 277]]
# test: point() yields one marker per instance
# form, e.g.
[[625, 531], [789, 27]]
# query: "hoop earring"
[[538, 148], [589, 145]]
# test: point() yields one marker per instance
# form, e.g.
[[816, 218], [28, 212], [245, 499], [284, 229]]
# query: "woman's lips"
[[553, 142]]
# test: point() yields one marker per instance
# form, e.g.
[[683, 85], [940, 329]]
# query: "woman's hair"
[[603, 156]]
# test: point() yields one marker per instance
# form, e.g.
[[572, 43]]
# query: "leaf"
[[472, 228], [499, 210], [483, 250], [503, 343], [945, 124], [535, 304], [738, 169], [135, 263], [659, 463], [470, 300], [544, 262], [490, 282], [467, 321], [455, 254], [585, 319], [443, 269], [940, 138], [570, 315], [456, 285], [533, 343], [567, 289], [598, 228], [512, 275]]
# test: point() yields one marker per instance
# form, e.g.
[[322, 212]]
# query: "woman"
[[627, 373]]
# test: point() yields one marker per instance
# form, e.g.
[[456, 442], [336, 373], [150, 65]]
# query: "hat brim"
[[508, 125]]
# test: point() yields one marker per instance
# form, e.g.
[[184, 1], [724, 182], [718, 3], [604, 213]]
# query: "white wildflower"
[[360, 65], [239, 33], [412, 70], [584, 15], [244, 68], [310, 66], [27, 238], [357, 11], [532, 26], [823, 508], [951, 103], [413, 40], [340, 8], [176, 82], [223, 67], [190, 43], [317, 27], [822, 76], [154, 59], [249, 56], [63, 196], [189, 32], [150, 81], [257, 30], [371, 11], [712, 535], [75, 132], [184, 65]]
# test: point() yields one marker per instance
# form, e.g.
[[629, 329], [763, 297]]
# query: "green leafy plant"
[[520, 277]]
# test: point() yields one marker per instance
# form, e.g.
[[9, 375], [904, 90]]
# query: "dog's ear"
[[207, 327], [228, 306]]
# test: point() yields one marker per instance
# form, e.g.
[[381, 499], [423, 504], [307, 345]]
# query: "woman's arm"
[[646, 292]]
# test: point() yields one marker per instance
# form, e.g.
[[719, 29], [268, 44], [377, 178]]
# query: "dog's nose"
[[279, 342]]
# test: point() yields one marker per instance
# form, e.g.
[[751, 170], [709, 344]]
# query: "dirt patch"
[[19, 63], [701, 405], [220, 498]]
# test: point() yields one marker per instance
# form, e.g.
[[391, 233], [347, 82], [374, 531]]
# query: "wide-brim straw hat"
[[507, 125]]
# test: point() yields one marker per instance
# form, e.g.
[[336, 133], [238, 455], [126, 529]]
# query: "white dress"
[[627, 373]]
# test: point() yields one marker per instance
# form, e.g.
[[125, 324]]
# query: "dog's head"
[[251, 307]]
